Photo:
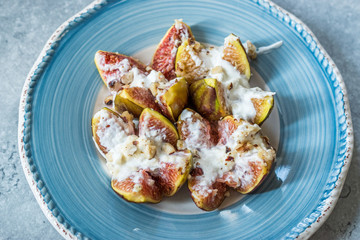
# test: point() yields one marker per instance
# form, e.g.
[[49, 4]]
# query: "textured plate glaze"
[[63, 168]]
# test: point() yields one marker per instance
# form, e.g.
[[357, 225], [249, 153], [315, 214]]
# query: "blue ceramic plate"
[[66, 174]]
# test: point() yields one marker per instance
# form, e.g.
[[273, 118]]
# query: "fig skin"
[[151, 120], [164, 56], [263, 108], [234, 52], [126, 122], [110, 59], [173, 101], [208, 98], [134, 100]]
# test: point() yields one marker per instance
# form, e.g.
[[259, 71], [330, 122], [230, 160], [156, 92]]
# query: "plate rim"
[[303, 230]]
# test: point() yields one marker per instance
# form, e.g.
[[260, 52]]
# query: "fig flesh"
[[146, 190], [152, 185], [171, 177], [165, 54], [155, 126], [134, 100], [234, 52]]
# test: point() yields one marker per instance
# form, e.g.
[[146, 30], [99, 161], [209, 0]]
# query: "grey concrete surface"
[[25, 26]]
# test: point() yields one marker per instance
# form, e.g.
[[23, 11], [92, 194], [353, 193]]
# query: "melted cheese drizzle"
[[214, 161], [266, 49], [110, 131], [128, 154]]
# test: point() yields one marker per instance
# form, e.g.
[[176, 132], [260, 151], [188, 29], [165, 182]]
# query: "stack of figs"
[[176, 83]]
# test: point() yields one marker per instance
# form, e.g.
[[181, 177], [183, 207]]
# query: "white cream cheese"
[[195, 139], [130, 156], [227, 74], [127, 158], [266, 49], [110, 130], [141, 80]]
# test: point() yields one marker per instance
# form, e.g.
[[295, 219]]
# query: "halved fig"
[[171, 176], [208, 97], [234, 52], [134, 100], [173, 98], [188, 63], [165, 54], [195, 130], [263, 108], [146, 190], [146, 169], [155, 126], [251, 152], [207, 198], [114, 68], [108, 127]]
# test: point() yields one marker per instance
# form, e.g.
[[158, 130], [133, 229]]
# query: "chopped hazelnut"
[[168, 148], [154, 88], [149, 151], [127, 78], [180, 144], [251, 50]]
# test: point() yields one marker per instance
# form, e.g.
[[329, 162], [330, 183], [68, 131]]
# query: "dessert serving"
[[190, 115]]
